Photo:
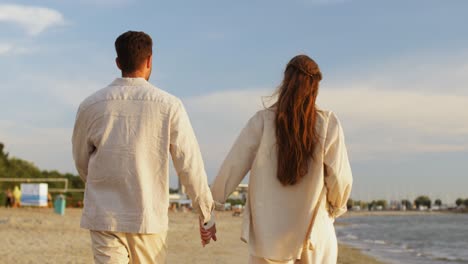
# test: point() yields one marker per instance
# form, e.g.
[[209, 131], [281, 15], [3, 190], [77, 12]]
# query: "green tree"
[[75, 181], [235, 201], [371, 205], [465, 202], [438, 202], [459, 201], [382, 203], [407, 204], [3, 161], [3, 155], [351, 203], [361, 204], [423, 201], [18, 168]]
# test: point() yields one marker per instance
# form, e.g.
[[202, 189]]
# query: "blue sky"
[[395, 72]]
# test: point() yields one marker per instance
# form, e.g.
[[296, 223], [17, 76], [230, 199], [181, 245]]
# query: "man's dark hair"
[[133, 48]]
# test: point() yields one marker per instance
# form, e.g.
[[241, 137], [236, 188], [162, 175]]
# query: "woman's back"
[[277, 217], [281, 214], [299, 171]]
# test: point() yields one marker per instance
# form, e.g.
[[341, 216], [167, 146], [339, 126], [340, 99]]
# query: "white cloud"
[[66, 91], [101, 3], [405, 107], [387, 115], [5, 48], [430, 114], [11, 49], [377, 123], [33, 19], [48, 147], [72, 92], [424, 71], [218, 117]]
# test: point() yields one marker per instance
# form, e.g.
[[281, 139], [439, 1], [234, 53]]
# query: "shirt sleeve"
[[188, 162], [238, 162], [338, 176], [81, 146]]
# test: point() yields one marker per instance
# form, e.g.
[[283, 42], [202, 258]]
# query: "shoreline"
[[396, 213], [357, 255], [348, 254], [351, 255], [377, 216], [35, 235]]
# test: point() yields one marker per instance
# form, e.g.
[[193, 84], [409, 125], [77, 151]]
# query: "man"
[[122, 139]]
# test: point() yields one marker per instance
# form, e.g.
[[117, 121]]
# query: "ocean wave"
[[398, 240], [377, 242], [351, 236], [451, 259]]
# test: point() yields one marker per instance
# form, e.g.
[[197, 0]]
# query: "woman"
[[300, 177]]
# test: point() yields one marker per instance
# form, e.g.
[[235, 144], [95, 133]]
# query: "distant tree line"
[[366, 205], [423, 201], [460, 202], [419, 202], [11, 167]]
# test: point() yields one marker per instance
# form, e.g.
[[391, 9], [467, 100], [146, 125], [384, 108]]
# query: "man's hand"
[[207, 234]]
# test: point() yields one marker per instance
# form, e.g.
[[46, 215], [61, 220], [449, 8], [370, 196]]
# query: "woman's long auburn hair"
[[296, 113]]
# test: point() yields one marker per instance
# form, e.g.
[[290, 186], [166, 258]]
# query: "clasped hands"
[[206, 234]]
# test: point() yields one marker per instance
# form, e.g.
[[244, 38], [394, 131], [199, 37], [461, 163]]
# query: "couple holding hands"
[[126, 134]]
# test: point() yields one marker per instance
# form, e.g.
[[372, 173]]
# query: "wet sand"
[[40, 236]]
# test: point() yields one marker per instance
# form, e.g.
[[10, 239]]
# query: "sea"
[[408, 239]]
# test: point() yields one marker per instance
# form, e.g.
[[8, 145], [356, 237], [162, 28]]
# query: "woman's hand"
[[207, 234]]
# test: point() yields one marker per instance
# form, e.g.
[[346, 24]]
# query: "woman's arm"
[[338, 176], [239, 160]]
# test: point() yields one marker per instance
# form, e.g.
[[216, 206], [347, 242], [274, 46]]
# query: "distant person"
[[49, 200], [16, 197], [123, 140], [9, 199], [300, 177]]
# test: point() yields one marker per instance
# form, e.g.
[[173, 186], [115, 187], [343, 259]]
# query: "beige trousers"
[[321, 248], [308, 257], [115, 247], [325, 249]]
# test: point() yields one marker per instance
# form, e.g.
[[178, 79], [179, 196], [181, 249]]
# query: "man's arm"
[[81, 146], [188, 162]]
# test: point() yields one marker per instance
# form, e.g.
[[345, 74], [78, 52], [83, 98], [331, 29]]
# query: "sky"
[[395, 73]]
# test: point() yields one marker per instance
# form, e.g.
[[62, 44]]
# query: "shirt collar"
[[129, 82]]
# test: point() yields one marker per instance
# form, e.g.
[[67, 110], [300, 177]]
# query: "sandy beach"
[[40, 236]]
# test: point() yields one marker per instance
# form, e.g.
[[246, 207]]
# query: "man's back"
[[122, 140], [123, 137]]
